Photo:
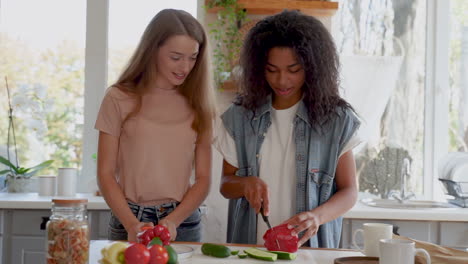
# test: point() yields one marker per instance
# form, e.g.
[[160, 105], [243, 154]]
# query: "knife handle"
[[265, 218]]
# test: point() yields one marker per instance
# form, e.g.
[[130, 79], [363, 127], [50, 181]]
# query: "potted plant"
[[17, 177], [226, 38]]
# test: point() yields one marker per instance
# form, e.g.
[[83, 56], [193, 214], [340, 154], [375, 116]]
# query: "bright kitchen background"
[[404, 69]]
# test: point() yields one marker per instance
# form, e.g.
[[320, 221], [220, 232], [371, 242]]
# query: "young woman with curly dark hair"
[[287, 140]]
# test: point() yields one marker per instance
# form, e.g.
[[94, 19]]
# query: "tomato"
[[137, 254], [279, 238], [158, 255]]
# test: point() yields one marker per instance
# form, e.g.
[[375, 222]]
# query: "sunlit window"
[[42, 46], [458, 122], [382, 46]]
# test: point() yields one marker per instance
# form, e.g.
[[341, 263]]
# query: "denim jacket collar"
[[265, 108], [268, 105]]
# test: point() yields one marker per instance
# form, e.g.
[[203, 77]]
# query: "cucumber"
[[234, 252], [261, 254], [284, 255], [172, 254], [218, 251], [242, 255]]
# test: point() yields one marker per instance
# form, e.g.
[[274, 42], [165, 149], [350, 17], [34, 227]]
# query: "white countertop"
[[309, 256], [34, 201], [359, 211]]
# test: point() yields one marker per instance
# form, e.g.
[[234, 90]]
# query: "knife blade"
[[267, 222]]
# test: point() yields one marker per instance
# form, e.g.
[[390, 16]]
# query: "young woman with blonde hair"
[[155, 125]]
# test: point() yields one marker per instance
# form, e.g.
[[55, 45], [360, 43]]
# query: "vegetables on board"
[[137, 254], [284, 255], [149, 233], [114, 253], [279, 238], [215, 250], [261, 254], [172, 254], [158, 255]]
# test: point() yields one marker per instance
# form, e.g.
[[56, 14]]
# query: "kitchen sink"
[[408, 204]]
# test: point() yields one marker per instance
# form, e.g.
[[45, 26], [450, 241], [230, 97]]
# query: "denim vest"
[[317, 151]]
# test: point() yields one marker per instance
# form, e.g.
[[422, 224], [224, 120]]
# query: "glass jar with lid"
[[67, 232]]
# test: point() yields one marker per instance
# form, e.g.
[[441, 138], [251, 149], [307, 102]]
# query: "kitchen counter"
[[359, 211], [34, 201], [309, 256]]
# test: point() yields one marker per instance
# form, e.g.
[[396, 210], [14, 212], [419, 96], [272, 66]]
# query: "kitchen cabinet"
[[23, 234], [454, 235], [449, 234]]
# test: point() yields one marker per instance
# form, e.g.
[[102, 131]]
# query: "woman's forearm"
[[110, 189], [193, 198], [232, 187], [337, 205], [115, 199]]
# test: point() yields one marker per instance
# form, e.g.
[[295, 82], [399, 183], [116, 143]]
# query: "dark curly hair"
[[316, 52]]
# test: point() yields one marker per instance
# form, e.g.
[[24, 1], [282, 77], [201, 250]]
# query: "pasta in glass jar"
[[67, 232]]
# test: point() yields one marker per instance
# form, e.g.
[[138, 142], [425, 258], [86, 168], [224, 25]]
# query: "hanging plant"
[[226, 37]]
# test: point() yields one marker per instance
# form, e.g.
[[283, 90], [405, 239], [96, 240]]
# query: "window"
[[383, 55], [42, 56], [458, 95], [43, 52]]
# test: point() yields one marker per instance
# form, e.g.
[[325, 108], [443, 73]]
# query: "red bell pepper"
[[148, 234], [279, 238]]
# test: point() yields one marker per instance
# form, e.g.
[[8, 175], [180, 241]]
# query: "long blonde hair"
[[140, 71]]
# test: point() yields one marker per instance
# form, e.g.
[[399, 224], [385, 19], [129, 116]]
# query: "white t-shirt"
[[277, 164]]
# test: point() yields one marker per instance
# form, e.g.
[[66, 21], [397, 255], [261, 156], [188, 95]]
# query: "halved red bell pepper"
[[279, 238], [148, 234]]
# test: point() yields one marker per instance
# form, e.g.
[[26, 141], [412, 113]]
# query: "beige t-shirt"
[[156, 147]]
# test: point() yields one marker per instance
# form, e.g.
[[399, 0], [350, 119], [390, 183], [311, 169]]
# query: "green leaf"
[[4, 171], [7, 163], [40, 166], [22, 170]]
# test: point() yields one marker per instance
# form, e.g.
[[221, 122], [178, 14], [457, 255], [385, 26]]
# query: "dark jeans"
[[189, 230]]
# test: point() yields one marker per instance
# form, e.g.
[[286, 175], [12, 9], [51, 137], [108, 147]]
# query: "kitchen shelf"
[[309, 7]]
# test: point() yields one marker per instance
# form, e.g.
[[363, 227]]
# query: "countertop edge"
[[32, 201]]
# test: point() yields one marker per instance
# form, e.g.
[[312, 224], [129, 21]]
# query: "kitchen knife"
[[267, 222]]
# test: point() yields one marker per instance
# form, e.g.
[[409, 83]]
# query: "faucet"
[[405, 172]]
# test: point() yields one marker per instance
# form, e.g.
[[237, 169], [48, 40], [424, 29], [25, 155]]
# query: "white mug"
[[373, 232], [66, 181], [46, 185], [400, 251]]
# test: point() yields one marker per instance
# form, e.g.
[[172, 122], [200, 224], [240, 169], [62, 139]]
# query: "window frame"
[[96, 55], [436, 137]]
